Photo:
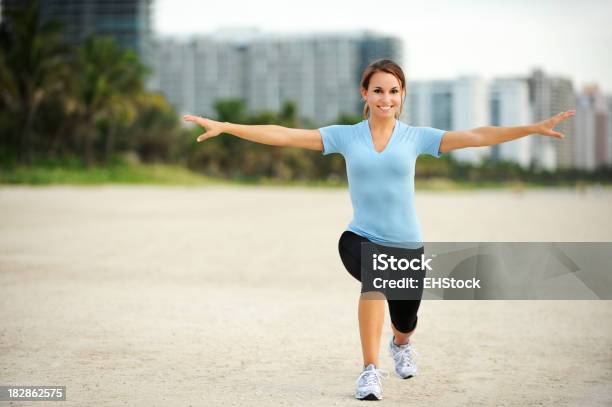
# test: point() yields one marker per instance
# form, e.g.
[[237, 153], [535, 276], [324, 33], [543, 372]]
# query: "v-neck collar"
[[371, 140]]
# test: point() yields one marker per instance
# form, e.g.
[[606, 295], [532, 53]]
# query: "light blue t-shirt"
[[381, 185]]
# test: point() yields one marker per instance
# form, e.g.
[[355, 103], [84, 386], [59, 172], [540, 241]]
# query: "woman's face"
[[384, 95]]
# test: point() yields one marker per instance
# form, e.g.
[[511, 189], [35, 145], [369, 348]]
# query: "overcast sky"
[[442, 38]]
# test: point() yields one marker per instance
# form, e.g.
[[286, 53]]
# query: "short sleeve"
[[428, 141], [334, 138]]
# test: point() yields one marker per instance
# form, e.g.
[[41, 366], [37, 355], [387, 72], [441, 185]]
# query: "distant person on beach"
[[380, 154]]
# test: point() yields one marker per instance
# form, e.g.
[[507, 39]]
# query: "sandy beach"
[[210, 296]]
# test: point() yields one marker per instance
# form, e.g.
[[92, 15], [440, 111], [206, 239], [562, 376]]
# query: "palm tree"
[[108, 78], [32, 68]]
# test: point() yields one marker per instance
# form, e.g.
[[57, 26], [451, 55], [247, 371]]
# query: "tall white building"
[[592, 120], [219, 71], [549, 96], [509, 106], [178, 64], [609, 152], [320, 73], [430, 103], [451, 105], [470, 110]]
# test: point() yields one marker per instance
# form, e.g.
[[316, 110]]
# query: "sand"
[[200, 296]]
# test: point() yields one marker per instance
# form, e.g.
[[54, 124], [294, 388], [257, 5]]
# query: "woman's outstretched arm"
[[490, 135], [270, 134]]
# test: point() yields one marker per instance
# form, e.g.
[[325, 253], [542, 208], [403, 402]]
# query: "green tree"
[[155, 134], [32, 69], [109, 80]]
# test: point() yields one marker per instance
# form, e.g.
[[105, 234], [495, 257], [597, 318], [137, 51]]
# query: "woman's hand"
[[213, 128], [545, 127]]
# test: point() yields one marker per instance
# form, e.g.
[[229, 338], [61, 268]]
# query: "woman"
[[380, 154]]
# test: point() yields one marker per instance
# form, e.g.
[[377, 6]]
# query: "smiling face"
[[384, 95]]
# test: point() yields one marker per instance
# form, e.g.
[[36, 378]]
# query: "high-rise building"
[[319, 73], [178, 63], [609, 150], [592, 122], [471, 110], [549, 96], [509, 106], [460, 104], [430, 103], [127, 21]]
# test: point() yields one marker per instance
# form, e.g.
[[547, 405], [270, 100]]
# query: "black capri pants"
[[403, 312]]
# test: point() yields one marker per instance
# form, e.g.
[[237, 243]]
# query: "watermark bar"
[[488, 270], [32, 393]]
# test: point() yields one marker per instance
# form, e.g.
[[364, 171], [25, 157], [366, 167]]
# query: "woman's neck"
[[381, 124]]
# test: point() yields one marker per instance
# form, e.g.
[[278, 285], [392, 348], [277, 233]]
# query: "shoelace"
[[405, 354], [372, 377]]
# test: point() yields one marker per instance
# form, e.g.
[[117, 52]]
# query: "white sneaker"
[[369, 386], [403, 356]]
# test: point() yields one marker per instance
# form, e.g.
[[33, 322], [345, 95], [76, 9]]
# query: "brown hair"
[[383, 65]]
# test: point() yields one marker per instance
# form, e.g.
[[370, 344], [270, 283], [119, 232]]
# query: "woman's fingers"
[[196, 119], [199, 120], [553, 121], [557, 134], [567, 114]]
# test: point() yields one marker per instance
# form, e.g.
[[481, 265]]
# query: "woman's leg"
[[371, 319], [403, 319], [400, 337], [404, 312], [371, 312], [403, 322]]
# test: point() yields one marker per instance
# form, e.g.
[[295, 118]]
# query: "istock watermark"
[[384, 262], [399, 264], [488, 270]]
